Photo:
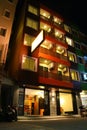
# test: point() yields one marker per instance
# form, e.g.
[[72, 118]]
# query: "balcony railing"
[[48, 52], [51, 20], [55, 76], [52, 34]]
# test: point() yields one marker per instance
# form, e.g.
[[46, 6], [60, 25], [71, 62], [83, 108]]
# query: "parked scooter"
[[8, 114], [83, 111]]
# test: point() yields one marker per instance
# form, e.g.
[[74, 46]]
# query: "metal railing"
[[55, 76], [48, 52]]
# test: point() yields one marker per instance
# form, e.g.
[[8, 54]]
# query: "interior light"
[[60, 66], [25, 42], [82, 93], [58, 47], [49, 29], [53, 99], [59, 22], [45, 41], [44, 14], [55, 19], [45, 26], [23, 59], [41, 94], [45, 61], [50, 46], [56, 33], [48, 16], [61, 101], [41, 87]]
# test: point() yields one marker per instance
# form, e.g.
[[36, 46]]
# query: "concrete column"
[[53, 105], [79, 102], [16, 96]]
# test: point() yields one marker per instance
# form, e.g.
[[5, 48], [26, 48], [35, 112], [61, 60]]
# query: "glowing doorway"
[[32, 102], [66, 103]]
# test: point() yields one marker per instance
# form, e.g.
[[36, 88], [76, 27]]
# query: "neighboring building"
[[48, 62], [7, 12]]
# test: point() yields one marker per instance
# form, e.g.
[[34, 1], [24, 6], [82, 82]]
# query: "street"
[[59, 124]]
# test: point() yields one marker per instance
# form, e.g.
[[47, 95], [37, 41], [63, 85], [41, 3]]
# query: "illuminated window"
[[84, 77], [67, 28], [32, 23], [69, 41], [33, 9], [83, 96], [29, 63], [57, 20], [45, 64], [63, 70], [66, 102], [59, 49], [45, 27], [2, 31], [77, 45], [72, 57], [44, 13], [47, 44], [28, 39], [74, 75], [58, 34], [80, 59]]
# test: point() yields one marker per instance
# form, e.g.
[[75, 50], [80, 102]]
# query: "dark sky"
[[73, 10]]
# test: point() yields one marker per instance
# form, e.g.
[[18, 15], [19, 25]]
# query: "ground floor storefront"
[[83, 96], [52, 101]]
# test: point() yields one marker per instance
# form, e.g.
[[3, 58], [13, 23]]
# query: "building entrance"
[[66, 103], [33, 102]]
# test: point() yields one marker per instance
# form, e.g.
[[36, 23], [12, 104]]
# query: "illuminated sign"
[[37, 41]]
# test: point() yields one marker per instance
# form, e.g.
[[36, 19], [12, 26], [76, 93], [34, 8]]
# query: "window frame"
[[32, 9], [3, 31], [32, 23], [8, 11]]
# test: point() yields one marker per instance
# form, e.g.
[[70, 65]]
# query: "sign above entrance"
[[38, 40]]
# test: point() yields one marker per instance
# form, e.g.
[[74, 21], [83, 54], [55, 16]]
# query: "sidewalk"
[[27, 118]]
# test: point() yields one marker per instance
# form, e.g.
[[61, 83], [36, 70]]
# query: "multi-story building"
[[81, 52], [47, 62], [7, 12]]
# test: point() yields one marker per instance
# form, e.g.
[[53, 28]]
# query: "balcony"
[[51, 20], [49, 52], [55, 76], [51, 34]]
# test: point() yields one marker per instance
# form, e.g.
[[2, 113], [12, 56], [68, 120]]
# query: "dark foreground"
[[59, 124]]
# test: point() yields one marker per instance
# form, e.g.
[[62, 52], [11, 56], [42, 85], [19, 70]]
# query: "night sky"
[[73, 10]]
